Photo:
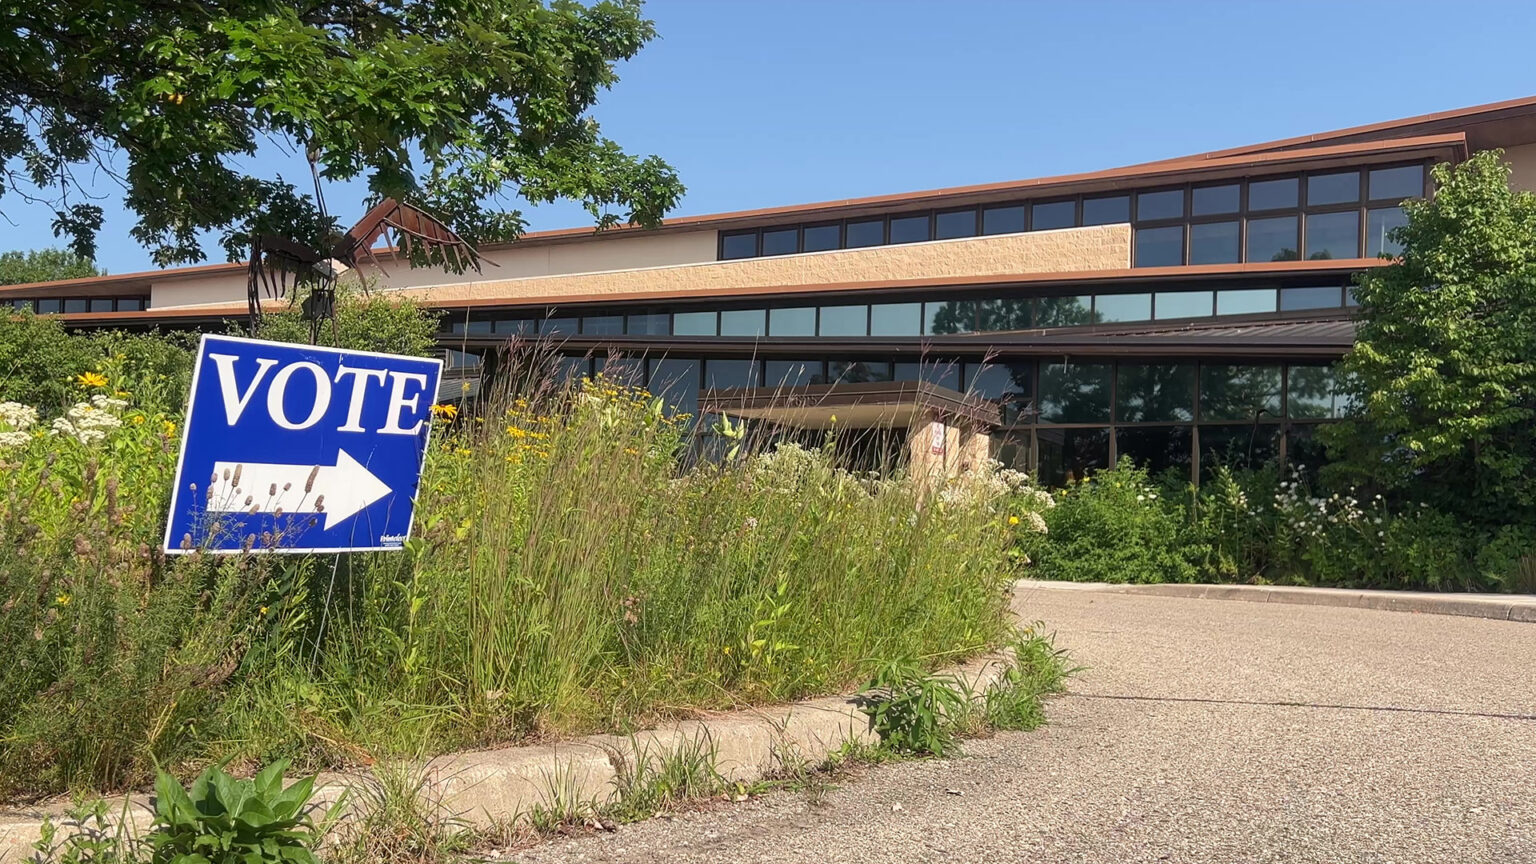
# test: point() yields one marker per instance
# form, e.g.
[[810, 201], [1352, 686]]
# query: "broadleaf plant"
[[225, 820]]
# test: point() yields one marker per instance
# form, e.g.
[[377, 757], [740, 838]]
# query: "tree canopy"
[[1443, 372], [459, 106], [44, 265]]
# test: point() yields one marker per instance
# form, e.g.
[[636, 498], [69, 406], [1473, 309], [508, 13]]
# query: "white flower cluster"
[[1311, 515], [15, 420], [1035, 522], [988, 484], [88, 422]]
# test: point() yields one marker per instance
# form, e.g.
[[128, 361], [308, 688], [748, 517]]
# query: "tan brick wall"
[[1102, 247]]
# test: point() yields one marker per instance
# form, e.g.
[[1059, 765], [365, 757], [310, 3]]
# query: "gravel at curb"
[[500, 787], [1499, 607]]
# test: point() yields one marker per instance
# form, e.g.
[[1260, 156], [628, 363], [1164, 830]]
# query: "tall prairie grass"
[[569, 572]]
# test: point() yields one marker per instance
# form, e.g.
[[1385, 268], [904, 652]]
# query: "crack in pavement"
[[1281, 704]]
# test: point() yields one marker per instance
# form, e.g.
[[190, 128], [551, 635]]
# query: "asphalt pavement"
[[1200, 731]]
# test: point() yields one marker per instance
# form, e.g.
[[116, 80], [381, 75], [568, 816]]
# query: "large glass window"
[[844, 321], [1166, 204], [1006, 313], [742, 245], [77, 304], [1272, 194], [1332, 236], [1238, 446], [947, 317], [1296, 299], [857, 371], [797, 321], [677, 383], [720, 374], [694, 324], [1272, 239], [1239, 392], [941, 373], [956, 223], [896, 319], [101, 304], [1324, 189], [1185, 304], [790, 373], [1406, 181], [1157, 448], [1064, 311], [743, 322], [1153, 393], [1215, 200], [516, 326], [820, 238], [1160, 247], [1002, 220], [602, 325], [1011, 384], [1245, 301], [1378, 238], [781, 241], [1122, 307], [909, 229], [1214, 243], [559, 326], [1106, 211], [649, 324], [1309, 392], [53, 306], [1053, 214], [1074, 392], [1069, 455], [868, 232]]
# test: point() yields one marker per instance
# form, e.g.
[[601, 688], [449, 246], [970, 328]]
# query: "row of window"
[[56, 305], [1026, 392], [1332, 214], [931, 317], [1063, 455]]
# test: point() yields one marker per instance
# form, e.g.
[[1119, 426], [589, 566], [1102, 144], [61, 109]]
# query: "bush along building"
[[1184, 313]]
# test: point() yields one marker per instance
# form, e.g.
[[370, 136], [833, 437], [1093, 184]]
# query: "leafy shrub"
[[912, 711], [222, 820], [1113, 527], [365, 320]]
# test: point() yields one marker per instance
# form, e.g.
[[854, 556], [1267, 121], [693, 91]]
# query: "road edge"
[[1497, 607]]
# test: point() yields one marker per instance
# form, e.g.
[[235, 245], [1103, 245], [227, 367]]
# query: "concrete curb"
[[496, 788], [1499, 607]]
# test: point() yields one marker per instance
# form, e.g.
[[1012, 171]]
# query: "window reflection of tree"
[[1153, 392], [1064, 312], [1006, 314], [1239, 392], [954, 316], [1074, 392], [1010, 384], [1311, 392]]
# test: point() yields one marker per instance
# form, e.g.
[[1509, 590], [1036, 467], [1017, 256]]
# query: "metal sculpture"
[[280, 267]]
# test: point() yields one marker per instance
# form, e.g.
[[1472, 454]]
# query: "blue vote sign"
[[297, 448]]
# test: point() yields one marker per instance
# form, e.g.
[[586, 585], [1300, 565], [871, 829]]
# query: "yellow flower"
[[446, 410], [727, 650], [121, 394], [138, 419], [834, 418], [169, 428], [1013, 520], [62, 599], [261, 611], [91, 379]]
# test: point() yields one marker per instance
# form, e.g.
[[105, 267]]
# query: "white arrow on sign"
[[340, 491]]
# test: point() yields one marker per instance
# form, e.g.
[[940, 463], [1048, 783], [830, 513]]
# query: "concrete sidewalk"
[[1498, 607]]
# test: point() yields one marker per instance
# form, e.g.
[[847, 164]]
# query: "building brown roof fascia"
[[1449, 144], [1522, 107]]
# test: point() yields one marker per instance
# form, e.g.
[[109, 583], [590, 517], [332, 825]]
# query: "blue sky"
[[768, 102]]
